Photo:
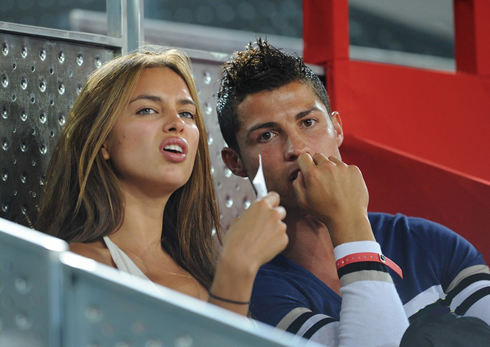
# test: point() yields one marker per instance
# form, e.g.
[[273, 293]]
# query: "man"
[[332, 282]]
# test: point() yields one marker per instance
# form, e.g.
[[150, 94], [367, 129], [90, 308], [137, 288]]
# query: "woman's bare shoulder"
[[94, 250]]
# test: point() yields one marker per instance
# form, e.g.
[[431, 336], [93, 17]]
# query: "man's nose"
[[294, 146]]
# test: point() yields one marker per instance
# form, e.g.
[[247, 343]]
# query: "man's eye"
[[146, 110], [188, 115], [265, 136], [308, 123]]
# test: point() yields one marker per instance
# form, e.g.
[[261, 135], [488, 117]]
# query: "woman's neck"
[[141, 229]]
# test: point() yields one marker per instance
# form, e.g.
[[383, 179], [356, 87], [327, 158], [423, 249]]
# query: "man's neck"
[[311, 247]]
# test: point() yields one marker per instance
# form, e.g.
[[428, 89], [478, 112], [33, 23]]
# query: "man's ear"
[[233, 162], [337, 123], [105, 152]]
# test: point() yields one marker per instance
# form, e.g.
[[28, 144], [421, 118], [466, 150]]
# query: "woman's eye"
[[146, 110], [265, 136], [188, 115]]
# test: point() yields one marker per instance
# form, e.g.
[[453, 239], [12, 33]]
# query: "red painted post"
[[472, 36], [325, 31]]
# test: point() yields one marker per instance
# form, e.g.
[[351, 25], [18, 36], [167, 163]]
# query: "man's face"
[[280, 125]]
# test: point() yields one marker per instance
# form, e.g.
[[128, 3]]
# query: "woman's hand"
[[253, 239], [258, 235]]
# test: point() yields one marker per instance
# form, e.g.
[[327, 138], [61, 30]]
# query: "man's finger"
[[305, 161]]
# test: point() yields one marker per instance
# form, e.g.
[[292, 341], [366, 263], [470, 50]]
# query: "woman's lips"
[[174, 149]]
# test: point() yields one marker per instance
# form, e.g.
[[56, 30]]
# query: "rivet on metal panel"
[[61, 57], [5, 81], [183, 341], [228, 172], [207, 77], [42, 54], [23, 177], [93, 313], [5, 113], [22, 285], [5, 175], [13, 97], [98, 63], [80, 59], [61, 88], [43, 149], [212, 170], [23, 146], [246, 203], [23, 322], [219, 185], [14, 66], [5, 48], [42, 86], [5, 207], [43, 117], [23, 83], [23, 52], [138, 327], [33, 68], [23, 115], [210, 139], [5, 144], [208, 108], [229, 201], [61, 119]]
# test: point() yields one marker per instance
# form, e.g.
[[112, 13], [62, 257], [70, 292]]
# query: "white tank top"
[[122, 261]]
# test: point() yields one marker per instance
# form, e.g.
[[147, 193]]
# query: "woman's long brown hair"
[[82, 200]]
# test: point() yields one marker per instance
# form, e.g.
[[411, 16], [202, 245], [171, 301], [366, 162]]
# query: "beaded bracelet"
[[211, 295]]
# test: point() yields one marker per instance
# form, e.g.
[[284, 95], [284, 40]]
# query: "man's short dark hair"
[[260, 67]]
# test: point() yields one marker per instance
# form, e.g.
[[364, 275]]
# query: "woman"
[[129, 185]]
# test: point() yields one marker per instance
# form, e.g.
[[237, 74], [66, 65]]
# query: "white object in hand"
[[259, 181]]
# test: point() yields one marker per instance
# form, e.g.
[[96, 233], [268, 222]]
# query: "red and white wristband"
[[371, 257]]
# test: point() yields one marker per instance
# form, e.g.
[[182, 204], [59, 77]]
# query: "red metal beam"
[[325, 31], [472, 36]]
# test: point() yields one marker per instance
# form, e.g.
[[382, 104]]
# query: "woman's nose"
[[173, 123]]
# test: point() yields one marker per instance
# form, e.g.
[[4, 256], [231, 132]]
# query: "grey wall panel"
[[40, 78]]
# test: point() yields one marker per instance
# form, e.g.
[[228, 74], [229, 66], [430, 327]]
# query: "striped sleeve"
[[371, 313], [469, 293]]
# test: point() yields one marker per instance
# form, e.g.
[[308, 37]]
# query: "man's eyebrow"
[[156, 98], [307, 112]]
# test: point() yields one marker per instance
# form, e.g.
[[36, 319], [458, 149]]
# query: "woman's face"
[[153, 144]]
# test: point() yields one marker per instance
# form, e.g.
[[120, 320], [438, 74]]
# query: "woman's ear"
[[105, 152], [233, 162]]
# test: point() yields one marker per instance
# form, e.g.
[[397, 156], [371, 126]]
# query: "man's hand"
[[335, 194]]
